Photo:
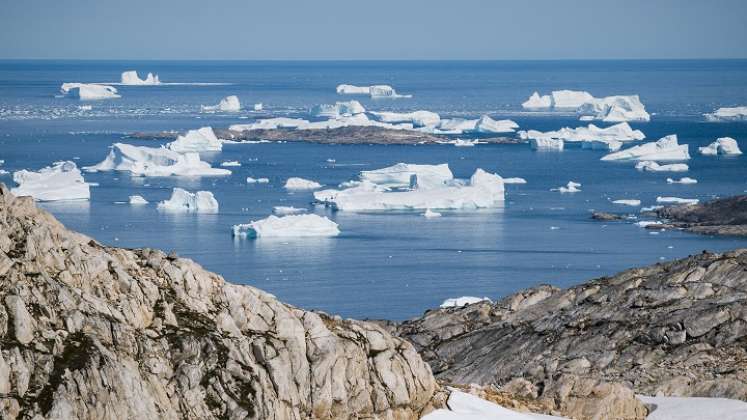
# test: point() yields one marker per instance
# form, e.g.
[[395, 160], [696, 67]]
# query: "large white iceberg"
[[375, 91], [286, 210], [622, 132], [738, 113], [302, 225], [89, 91], [536, 101], [484, 124], [338, 109], [651, 166], [227, 104], [722, 146], [154, 161], [546, 144], [61, 181], [184, 201], [300, 184], [408, 175], [664, 149], [131, 78], [610, 109], [200, 140]]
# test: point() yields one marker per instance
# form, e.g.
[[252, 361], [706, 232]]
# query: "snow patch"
[[463, 301]]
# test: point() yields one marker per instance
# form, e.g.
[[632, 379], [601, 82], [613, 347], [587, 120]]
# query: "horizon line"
[[373, 59]]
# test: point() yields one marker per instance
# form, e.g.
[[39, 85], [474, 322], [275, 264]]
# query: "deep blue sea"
[[382, 265]]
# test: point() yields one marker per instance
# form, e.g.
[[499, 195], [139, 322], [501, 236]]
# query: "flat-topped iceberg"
[[651, 166], [627, 202], [300, 184], [230, 163], [61, 181], [546, 144], [270, 124], [184, 201], [622, 132], [676, 200], [463, 301], [131, 78], [738, 113], [338, 109], [683, 180], [137, 200], [375, 91], [227, 104], [154, 161], [89, 91], [722, 146], [286, 210], [665, 149], [302, 225], [200, 140], [484, 124], [416, 118], [409, 175], [610, 109]]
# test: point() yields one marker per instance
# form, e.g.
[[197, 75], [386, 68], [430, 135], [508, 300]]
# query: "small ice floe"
[[250, 180], [301, 184], [303, 225], [514, 180], [137, 200], [645, 223], [665, 149], [4, 172], [61, 181], [463, 301], [692, 408], [286, 210], [651, 166], [571, 187], [84, 107], [683, 180], [184, 201], [676, 200], [722, 146], [230, 163], [617, 108], [200, 140], [464, 143], [330, 160], [430, 214], [738, 113], [650, 208], [632, 203], [338, 110], [130, 78], [258, 106], [227, 104], [375, 91], [154, 161], [89, 91]]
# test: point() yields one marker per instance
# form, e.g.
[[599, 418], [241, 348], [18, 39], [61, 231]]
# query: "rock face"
[[677, 329], [725, 216], [606, 217], [94, 332]]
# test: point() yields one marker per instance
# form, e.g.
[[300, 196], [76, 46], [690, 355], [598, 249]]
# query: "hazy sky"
[[372, 29]]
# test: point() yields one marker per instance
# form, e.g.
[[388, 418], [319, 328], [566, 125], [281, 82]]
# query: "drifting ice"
[[61, 181], [722, 146], [665, 148], [137, 200], [300, 184], [376, 91], [546, 144], [184, 201], [651, 166], [416, 118], [619, 132], [676, 200], [201, 140], [230, 163], [407, 175], [684, 180], [153, 161], [632, 203], [610, 109], [303, 225], [430, 214], [131, 78], [728, 114], [250, 180], [227, 104], [338, 109], [286, 210], [571, 187], [88, 91]]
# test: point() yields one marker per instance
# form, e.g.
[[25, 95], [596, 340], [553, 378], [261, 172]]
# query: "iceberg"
[[137, 200], [270, 124], [546, 144], [430, 214], [89, 91], [303, 225], [463, 301], [184, 201], [201, 140], [489, 126], [300, 184], [258, 106], [665, 148], [738, 113], [632, 203], [154, 161], [286, 210], [416, 118], [227, 104], [570, 187], [683, 180], [230, 163], [484, 124], [375, 91], [676, 200], [464, 143], [338, 109], [645, 223], [250, 180], [515, 180], [408, 175], [130, 78], [722, 146], [621, 132], [651, 166], [538, 102], [570, 99], [616, 108], [353, 90], [61, 181], [605, 145]]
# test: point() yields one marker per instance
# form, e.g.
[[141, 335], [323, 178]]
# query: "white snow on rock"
[[375, 91], [622, 132], [200, 140], [676, 200], [683, 180], [546, 144], [339, 109], [430, 214], [463, 301], [250, 180], [738, 113], [300, 184], [694, 408], [130, 78], [154, 161], [722, 146], [651, 166], [227, 104], [184, 201], [463, 406], [286, 210], [61, 181], [632, 203], [610, 109], [137, 200], [89, 91], [408, 175], [230, 163], [570, 187], [663, 149], [416, 118], [302, 225]]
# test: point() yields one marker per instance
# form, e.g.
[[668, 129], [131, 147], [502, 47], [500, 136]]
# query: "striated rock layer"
[[723, 216], [94, 332]]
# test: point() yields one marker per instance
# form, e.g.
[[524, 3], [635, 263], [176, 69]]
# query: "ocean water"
[[393, 265]]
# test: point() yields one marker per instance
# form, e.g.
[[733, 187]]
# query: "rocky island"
[[723, 216]]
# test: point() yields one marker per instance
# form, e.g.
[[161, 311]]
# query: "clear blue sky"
[[373, 29]]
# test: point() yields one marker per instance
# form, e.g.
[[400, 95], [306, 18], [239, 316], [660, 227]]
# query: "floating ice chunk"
[[201, 140], [300, 184], [571, 187], [632, 203], [3, 172], [376, 91], [515, 180], [570, 99], [230, 163], [88, 91], [404, 175], [61, 181], [695, 408], [621, 132], [615, 109], [484, 124], [286, 210], [184, 201], [738, 113], [464, 143], [137, 200], [463, 406], [463, 301], [722, 146], [684, 180], [416, 118], [644, 223], [488, 125], [353, 90], [538, 102], [258, 106], [154, 161], [651, 166], [338, 109], [606, 145], [303, 225], [676, 200], [430, 214], [131, 78], [546, 144], [250, 180], [270, 124], [665, 148], [227, 104]]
